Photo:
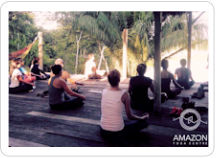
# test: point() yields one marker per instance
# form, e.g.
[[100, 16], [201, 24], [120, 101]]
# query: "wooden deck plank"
[[63, 117], [153, 130], [80, 127], [53, 140], [57, 127], [150, 136], [13, 142], [94, 113]]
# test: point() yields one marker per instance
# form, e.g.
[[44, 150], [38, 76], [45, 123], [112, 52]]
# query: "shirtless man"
[[184, 77]]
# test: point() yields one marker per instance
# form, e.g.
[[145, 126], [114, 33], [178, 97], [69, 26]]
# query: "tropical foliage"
[[22, 32], [100, 33]]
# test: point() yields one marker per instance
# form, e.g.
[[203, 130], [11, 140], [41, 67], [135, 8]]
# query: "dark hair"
[[18, 59], [183, 62], [56, 69], [35, 62], [35, 58], [114, 78], [141, 68], [164, 64]]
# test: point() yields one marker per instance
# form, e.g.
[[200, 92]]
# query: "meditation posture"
[[32, 62], [17, 80], [166, 78], [38, 73], [90, 68], [184, 77], [114, 101], [60, 95], [138, 89], [66, 76], [27, 76]]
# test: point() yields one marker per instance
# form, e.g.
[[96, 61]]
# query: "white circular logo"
[[190, 119]]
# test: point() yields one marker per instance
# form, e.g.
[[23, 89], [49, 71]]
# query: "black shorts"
[[22, 88], [68, 104]]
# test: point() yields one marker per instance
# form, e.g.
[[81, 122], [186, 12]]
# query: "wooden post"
[[189, 22], [40, 49], [106, 65], [18, 47], [124, 56], [157, 62], [101, 57], [77, 54]]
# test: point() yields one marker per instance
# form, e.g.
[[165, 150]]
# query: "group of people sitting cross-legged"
[[114, 99], [20, 80], [140, 84], [183, 75]]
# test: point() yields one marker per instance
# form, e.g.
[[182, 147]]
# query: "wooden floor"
[[32, 123]]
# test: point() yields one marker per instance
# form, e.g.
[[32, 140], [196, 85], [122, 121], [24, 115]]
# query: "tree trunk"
[[106, 64], [157, 61], [77, 57], [77, 54], [40, 49], [124, 56], [189, 22], [101, 57], [18, 47]]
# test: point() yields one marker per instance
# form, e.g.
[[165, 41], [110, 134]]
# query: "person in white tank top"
[[113, 102], [112, 109]]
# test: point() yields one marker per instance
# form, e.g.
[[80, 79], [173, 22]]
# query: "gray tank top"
[[56, 95]]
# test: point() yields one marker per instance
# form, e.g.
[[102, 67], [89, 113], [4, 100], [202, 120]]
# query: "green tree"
[[22, 32]]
